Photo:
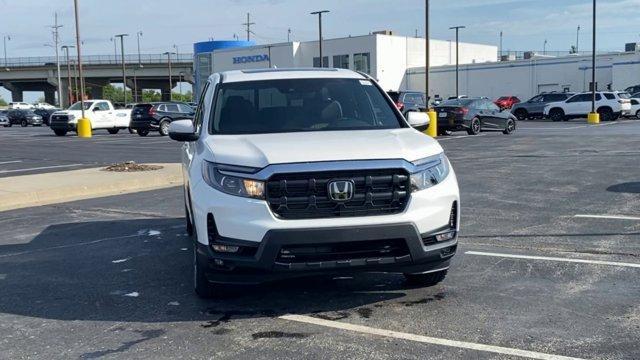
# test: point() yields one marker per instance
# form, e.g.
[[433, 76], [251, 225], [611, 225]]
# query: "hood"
[[264, 149]]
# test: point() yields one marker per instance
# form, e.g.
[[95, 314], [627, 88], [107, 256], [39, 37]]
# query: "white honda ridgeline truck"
[[100, 113], [308, 171]]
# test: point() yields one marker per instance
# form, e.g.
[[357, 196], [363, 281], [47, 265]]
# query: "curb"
[[82, 184]]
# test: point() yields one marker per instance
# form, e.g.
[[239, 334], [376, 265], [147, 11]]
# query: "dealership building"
[[397, 62], [530, 76], [384, 56]]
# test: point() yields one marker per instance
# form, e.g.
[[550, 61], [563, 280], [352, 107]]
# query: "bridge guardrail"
[[96, 60]]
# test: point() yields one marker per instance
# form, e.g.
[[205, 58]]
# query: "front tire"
[[638, 114], [201, 285], [164, 127], [521, 114], [113, 131], [60, 132], [556, 115], [474, 127], [24, 123], [510, 127], [426, 280]]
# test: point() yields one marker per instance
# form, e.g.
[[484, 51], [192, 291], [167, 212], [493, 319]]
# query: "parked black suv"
[[46, 114], [407, 101], [157, 116], [534, 107], [23, 117]]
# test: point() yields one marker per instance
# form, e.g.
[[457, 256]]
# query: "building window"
[[341, 61], [325, 61], [362, 62]]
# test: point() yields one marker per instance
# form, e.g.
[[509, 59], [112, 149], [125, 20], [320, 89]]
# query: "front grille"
[[306, 195], [343, 251], [59, 119]]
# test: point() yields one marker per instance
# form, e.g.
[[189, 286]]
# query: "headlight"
[[231, 185], [433, 170], [71, 117]]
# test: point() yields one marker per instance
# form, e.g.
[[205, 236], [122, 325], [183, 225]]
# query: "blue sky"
[[525, 23]]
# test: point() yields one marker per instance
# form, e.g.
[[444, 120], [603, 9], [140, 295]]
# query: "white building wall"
[[526, 78]]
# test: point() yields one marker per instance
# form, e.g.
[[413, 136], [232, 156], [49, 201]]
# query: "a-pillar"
[[16, 91]]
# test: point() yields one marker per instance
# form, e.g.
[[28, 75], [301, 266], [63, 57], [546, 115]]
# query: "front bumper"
[[265, 261]]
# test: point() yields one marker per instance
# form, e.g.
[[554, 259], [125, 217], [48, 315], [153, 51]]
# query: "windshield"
[[290, 105], [76, 106]]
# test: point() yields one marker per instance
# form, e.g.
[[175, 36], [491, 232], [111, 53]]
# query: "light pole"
[[289, 35], [69, 90], [593, 117], [168, 53], [544, 47], [319, 13], [180, 83], [75, 78], [6, 37], [432, 130], [84, 124], [457, 29], [578, 40], [115, 50], [139, 35], [500, 45], [124, 69]]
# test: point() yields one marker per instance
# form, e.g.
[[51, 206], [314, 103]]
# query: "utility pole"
[[319, 13], [457, 29], [124, 76], [289, 35], [84, 124], [56, 39], [593, 117], [181, 76], [6, 37], [75, 78], [544, 47], [248, 25], [69, 89], [500, 57], [168, 53], [426, 50]]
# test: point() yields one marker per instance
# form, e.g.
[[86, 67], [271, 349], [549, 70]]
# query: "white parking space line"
[[459, 137], [613, 217], [40, 168], [548, 258], [10, 162], [424, 339]]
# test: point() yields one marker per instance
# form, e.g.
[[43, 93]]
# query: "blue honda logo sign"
[[250, 59]]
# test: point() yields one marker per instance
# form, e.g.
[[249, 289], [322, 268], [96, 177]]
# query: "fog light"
[[446, 236], [218, 262], [225, 248]]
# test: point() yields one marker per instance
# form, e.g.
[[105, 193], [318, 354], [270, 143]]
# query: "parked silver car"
[[4, 120], [534, 107]]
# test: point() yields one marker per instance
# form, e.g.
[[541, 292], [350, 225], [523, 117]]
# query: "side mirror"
[[418, 120], [182, 130]]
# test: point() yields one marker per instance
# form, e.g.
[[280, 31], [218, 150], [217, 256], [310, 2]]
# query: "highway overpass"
[[149, 71]]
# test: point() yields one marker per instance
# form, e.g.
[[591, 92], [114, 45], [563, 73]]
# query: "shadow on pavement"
[[141, 271]]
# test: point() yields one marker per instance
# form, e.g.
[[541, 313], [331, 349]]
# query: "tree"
[[186, 97]]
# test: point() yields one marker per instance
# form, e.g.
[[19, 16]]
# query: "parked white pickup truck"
[[101, 113]]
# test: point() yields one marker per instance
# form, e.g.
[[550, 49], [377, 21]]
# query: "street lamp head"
[[121, 35], [139, 33], [320, 12], [457, 27]]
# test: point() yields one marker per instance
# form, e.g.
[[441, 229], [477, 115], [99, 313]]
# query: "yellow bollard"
[[432, 130], [593, 118], [84, 128]]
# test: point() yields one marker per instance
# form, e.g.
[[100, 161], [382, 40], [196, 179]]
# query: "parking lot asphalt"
[[34, 150], [548, 265]]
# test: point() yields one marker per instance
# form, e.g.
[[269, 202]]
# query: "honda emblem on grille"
[[341, 190]]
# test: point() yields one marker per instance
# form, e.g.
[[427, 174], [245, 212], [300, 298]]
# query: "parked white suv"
[[306, 171], [20, 105], [609, 104], [101, 115]]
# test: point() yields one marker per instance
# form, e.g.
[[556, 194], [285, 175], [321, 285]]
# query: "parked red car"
[[506, 102]]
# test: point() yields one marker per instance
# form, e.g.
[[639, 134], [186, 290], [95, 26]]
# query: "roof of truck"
[[297, 73]]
